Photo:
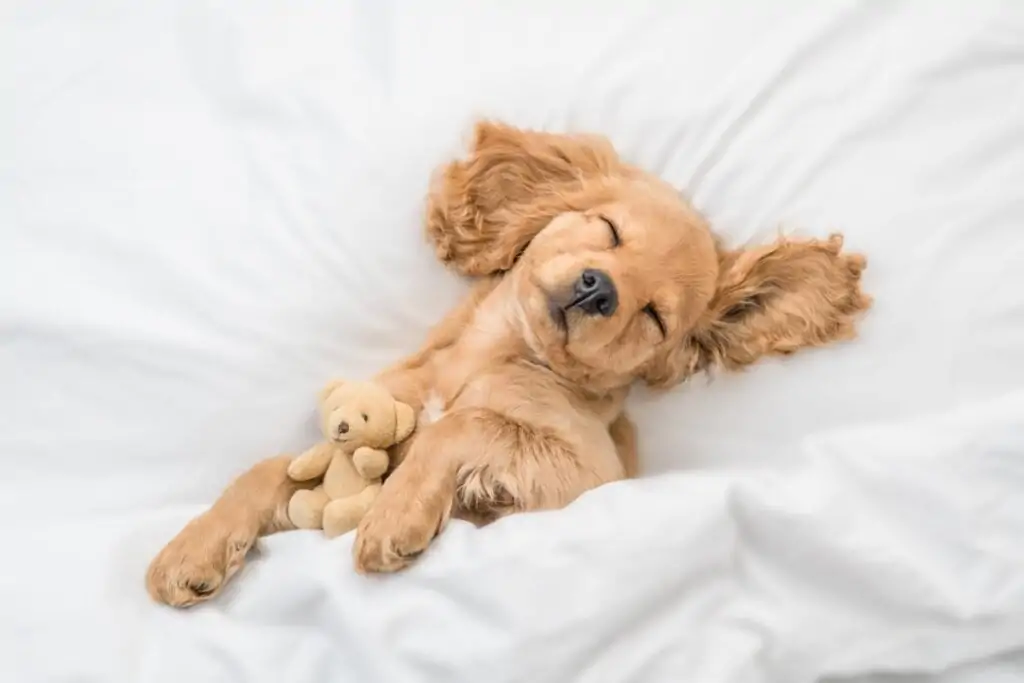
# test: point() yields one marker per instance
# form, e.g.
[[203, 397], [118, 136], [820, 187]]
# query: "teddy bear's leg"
[[343, 515], [306, 508]]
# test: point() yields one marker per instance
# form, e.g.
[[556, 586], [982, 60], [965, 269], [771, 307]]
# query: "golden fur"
[[531, 388]]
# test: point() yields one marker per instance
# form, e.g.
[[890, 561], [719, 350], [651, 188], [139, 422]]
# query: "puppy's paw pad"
[[195, 565], [201, 589], [376, 552]]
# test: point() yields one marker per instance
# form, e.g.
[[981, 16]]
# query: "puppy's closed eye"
[[614, 230], [653, 314]]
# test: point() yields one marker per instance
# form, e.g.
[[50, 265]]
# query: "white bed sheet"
[[206, 208]]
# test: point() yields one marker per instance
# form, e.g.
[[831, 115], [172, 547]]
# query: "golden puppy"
[[592, 274]]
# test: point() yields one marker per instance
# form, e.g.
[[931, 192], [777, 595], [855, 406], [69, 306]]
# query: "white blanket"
[[207, 208]]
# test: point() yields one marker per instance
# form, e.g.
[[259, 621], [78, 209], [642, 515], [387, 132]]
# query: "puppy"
[[591, 275]]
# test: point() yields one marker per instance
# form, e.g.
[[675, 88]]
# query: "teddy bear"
[[359, 420]]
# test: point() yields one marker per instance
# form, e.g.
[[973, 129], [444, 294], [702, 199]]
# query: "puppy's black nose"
[[595, 293], [343, 427]]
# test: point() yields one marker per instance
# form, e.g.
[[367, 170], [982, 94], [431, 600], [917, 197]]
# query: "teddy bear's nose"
[[343, 427]]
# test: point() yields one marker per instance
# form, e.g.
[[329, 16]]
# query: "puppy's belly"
[[433, 410]]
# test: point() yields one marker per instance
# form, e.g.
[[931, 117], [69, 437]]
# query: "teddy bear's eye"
[[365, 418]]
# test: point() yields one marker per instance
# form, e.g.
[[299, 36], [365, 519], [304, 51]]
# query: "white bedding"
[[207, 208]]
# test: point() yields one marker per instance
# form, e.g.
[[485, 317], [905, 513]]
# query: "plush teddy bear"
[[359, 420]]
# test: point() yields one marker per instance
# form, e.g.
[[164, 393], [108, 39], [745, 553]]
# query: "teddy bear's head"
[[364, 414]]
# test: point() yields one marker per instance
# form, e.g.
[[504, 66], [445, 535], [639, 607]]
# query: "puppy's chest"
[[452, 375], [458, 388], [433, 409]]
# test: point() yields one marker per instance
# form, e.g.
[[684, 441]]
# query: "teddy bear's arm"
[[370, 463], [311, 464]]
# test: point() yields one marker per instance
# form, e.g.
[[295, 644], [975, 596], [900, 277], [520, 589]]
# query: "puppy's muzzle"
[[595, 294]]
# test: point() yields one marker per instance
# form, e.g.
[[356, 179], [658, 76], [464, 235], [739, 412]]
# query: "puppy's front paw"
[[388, 544], [197, 563]]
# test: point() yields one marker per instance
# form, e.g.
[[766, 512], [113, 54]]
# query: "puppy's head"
[[615, 276], [623, 272]]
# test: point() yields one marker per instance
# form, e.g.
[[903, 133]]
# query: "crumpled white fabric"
[[206, 208]]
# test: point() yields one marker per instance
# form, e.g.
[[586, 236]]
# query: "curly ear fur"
[[484, 210], [771, 300]]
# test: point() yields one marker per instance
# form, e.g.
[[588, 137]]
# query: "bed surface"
[[207, 208]]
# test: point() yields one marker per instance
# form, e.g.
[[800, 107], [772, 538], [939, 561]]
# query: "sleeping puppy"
[[591, 275]]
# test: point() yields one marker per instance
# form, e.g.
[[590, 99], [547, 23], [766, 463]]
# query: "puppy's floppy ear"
[[484, 210], [771, 300]]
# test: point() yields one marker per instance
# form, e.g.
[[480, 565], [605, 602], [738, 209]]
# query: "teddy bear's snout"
[[346, 425]]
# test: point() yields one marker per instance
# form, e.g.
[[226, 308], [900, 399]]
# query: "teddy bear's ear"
[[405, 421], [329, 389]]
